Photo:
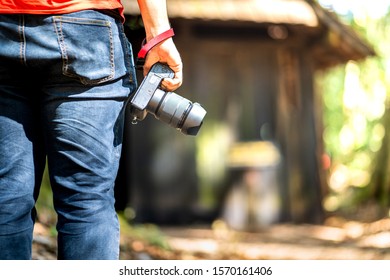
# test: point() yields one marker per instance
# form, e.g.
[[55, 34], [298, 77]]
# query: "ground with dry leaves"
[[336, 239]]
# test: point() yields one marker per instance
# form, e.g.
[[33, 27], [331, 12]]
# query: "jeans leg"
[[84, 115], [22, 161], [83, 162], [22, 156]]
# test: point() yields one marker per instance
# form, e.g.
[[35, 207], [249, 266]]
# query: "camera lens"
[[194, 119], [177, 111]]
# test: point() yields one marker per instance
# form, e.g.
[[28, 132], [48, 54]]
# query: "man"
[[66, 71]]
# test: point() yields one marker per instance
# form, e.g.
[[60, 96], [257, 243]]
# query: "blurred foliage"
[[355, 98], [147, 233], [44, 205]]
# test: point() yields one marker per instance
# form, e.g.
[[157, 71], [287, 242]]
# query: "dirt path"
[[337, 239], [282, 242]]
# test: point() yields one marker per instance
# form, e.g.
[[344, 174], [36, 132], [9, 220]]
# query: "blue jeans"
[[64, 82]]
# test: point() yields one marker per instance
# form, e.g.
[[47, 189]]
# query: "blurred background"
[[296, 124], [296, 130]]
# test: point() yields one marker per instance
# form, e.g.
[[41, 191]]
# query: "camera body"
[[168, 107]]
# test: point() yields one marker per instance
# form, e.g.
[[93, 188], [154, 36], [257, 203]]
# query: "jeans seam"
[[129, 59], [22, 41], [80, 20], [61, 45]]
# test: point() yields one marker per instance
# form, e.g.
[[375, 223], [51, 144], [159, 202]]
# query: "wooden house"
[[251, 64]]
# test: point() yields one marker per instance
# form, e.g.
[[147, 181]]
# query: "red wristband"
[[153, 42]]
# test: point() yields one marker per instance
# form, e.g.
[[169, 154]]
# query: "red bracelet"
[[149, 45]]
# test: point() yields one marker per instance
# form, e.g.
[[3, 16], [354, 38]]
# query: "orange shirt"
[[56, 6]]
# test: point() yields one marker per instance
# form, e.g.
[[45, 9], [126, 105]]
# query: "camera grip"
[[150, 84]]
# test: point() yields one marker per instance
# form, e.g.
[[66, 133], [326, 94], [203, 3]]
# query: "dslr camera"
[[168, 107]]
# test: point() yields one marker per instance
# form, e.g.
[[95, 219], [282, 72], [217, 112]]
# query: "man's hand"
[[166, 52]]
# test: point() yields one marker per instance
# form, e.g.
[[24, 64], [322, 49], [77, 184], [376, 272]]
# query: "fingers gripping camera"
[[168, 107]]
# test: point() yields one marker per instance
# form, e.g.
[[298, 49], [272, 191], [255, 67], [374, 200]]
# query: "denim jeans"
[[64, 82]]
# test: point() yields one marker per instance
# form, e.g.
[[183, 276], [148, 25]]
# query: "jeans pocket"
[[86, 47]]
